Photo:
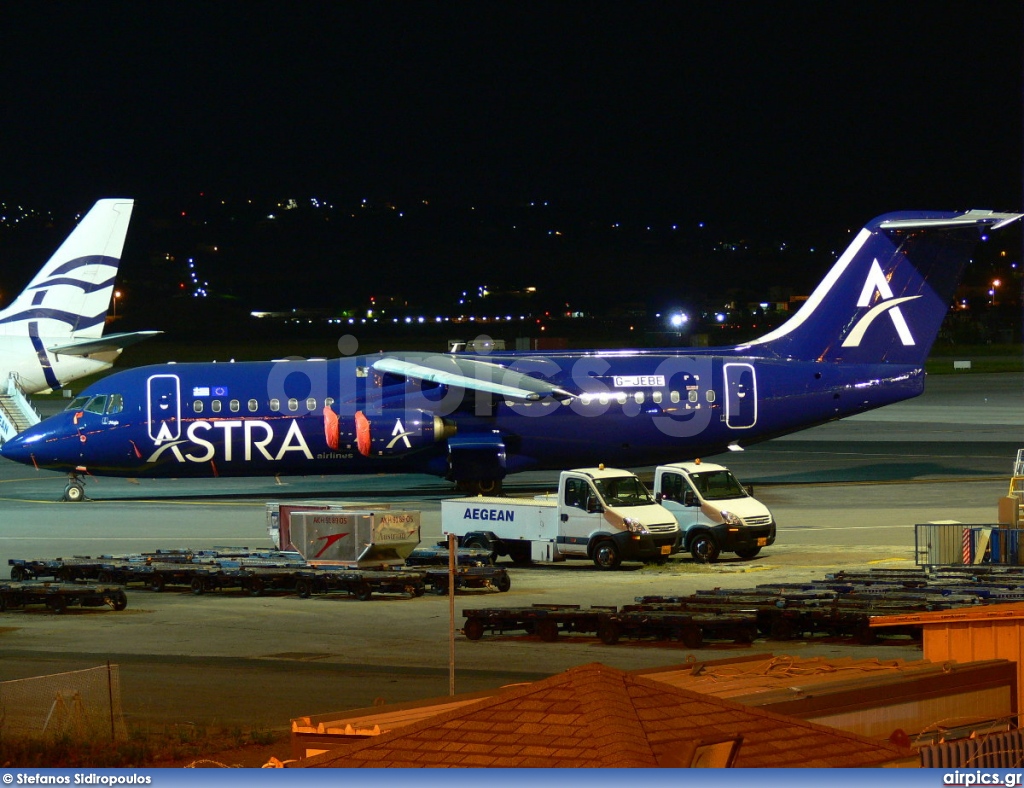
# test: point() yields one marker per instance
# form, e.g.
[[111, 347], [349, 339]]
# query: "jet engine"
[[390, 433]]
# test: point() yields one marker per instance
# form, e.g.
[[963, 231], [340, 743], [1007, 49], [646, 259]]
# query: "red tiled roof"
[[598, 716]]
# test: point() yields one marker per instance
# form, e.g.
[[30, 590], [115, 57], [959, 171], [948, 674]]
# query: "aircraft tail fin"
[[71, 294], [885, 298]]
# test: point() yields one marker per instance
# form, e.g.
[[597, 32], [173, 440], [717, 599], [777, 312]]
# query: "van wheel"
[[746, 553], [606, 555], [704, 548]]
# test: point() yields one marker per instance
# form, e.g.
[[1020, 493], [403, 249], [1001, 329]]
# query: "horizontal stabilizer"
[[472, 374], [104, 344], [967, 219]]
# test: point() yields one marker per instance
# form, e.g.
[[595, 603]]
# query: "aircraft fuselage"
[[343, 416]]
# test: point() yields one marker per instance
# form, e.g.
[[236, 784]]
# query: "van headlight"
[[731, 519], [634, 526]]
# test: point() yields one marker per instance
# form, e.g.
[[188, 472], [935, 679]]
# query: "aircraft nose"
[[16, 449], [31, 447]]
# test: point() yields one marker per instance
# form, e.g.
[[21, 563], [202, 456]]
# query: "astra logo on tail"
[[876, 281]]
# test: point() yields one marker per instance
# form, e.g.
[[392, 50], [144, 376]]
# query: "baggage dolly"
[[60, 596]]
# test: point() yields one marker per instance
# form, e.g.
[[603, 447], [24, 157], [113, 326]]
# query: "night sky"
[[788, 111]]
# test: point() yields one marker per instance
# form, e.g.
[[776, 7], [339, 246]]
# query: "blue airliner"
[[859, 342]]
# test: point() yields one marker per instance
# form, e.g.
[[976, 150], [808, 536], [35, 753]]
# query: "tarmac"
[[845, 495]]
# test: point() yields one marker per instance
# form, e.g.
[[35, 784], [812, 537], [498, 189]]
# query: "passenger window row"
[[234, 405], [621, 397]]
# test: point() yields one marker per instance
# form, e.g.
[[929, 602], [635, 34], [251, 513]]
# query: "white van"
[[715, 512]]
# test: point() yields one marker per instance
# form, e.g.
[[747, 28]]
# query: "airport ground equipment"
[[716, 514], [358, 535], [611, 624], [474, 568], [362, 584], [257, 572], [217, 570], [842, 604], [58, 597], [602, 514], [466, 577]]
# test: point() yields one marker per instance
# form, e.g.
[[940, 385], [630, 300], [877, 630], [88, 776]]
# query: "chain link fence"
[[80, 704]]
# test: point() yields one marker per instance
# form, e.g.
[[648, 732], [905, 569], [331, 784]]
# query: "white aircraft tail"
[[71, 294]]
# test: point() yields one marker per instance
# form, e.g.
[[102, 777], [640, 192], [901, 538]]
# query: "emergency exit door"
[[740, 396], [163, 398]]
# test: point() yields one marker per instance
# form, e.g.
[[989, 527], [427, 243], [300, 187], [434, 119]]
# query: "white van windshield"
[[623, 491], [717, 485]]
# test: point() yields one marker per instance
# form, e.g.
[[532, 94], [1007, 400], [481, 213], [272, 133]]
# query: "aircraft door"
[[163, 398], [740, 396]]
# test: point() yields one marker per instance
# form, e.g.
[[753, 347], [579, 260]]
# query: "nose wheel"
[[75, 490]]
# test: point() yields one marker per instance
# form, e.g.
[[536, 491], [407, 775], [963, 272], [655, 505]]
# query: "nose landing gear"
[[75, 489]]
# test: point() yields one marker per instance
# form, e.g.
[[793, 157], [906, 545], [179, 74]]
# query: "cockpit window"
[[623, 491], [78, 403], [97, 404], [115, 404]]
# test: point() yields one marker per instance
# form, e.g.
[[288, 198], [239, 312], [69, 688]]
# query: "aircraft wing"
[[104, 344], [473, 374]]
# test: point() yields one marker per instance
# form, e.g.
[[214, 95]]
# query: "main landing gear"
[[480, 487], [75, 489]]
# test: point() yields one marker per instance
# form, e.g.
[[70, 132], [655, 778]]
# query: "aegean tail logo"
[[876, 281]]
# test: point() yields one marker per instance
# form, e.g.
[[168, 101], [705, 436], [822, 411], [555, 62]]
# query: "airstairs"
[[1017, 484], [16, 412]]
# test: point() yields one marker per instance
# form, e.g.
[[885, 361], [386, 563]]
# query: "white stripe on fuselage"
[[807, 310]]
